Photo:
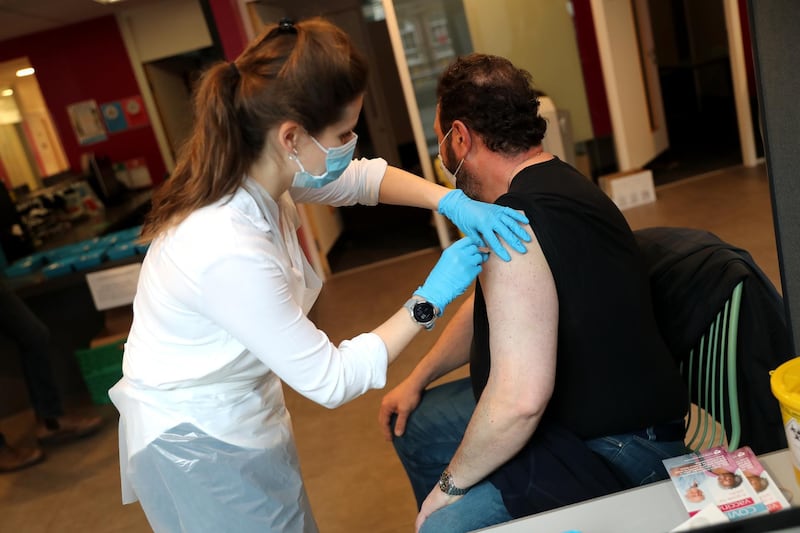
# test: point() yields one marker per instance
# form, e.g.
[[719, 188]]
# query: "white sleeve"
[[360, 183], [248, 296]]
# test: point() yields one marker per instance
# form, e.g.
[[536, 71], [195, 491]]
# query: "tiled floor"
[[353, 478]]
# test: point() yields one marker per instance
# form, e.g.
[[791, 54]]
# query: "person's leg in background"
[[31, 336], [14, 458], [18, 323]]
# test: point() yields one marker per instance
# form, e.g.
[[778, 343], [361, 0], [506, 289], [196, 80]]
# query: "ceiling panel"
[[14, 25], [22, 17]]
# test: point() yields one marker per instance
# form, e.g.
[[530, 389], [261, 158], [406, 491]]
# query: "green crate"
[[101, 368]]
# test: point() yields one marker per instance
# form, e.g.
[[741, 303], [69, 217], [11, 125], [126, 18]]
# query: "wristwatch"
[[446, 485], [422, 312]]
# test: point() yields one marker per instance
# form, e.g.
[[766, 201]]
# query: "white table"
[[652, 508]]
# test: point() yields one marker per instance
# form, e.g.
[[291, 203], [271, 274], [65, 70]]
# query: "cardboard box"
[[104, 338], [117, 324], [629, 189]]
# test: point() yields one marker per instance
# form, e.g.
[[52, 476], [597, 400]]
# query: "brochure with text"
[[765, 487], [712, 477]]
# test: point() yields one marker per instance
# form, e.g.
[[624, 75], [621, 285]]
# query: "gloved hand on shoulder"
[[480, 219], [456, 269]]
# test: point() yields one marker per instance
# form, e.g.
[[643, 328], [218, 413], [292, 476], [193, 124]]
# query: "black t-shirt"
[[614, 373]]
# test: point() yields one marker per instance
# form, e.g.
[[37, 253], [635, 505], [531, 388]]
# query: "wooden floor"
[[353, 478]]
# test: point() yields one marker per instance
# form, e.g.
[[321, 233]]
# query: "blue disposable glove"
[[458, 267], [485, 220]]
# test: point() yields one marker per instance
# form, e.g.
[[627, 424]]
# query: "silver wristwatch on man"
[[447, 486]]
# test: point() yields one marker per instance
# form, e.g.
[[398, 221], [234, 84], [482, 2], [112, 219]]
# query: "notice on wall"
[[87, 122], [124, 114], [113, 287], [135, 113], [114, 117]]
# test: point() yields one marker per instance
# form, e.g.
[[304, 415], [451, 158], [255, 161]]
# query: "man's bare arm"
[[522, 307]]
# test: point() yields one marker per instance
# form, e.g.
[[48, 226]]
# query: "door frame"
[[615, 99], [741, 93]]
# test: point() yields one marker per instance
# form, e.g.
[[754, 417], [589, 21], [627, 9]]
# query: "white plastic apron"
[[250, 398]]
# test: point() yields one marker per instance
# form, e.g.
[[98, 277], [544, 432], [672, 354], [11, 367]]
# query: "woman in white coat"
[[220, 312]]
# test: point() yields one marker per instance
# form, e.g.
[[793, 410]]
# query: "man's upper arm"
[[522, 307]]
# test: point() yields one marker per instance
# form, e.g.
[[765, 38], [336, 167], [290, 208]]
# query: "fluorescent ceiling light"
[[21, 73], [107, 1], [7, 92]]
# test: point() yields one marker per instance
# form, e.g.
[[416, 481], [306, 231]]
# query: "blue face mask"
[[336, 160]]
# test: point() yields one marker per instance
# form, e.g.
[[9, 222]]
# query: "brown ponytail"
[[307, 72]]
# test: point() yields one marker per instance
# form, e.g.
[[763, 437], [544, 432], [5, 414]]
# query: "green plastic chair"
[[710, 373]]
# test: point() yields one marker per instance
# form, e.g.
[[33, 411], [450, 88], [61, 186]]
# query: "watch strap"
[[447, 486]]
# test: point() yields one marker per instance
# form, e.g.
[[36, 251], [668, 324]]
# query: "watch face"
[[423, 312]]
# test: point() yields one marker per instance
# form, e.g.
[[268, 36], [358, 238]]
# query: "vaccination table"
[[652, 508]]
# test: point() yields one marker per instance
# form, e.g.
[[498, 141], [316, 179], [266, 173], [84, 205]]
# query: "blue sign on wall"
[[114, 117]]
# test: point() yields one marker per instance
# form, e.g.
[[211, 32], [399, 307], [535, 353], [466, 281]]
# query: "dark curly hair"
[[493, 98]]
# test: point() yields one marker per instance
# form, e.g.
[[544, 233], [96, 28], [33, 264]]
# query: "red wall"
[[592, 70], [744, 20], [86, 61], [231, 31]]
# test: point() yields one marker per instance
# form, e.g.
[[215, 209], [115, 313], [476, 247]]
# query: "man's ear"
[[461, 139]]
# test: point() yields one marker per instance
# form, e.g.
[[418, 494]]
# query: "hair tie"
[[286, 25], [234, 70]]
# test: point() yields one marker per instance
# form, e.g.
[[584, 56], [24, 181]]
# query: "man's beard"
[[465, 180]]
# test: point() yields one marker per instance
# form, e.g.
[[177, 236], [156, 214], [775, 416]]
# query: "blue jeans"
[[636, 459], [435, 429], [433, 433]]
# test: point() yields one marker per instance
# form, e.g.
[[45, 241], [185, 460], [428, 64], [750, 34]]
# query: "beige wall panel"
[[167, 28], [14, 159], [538, 36]]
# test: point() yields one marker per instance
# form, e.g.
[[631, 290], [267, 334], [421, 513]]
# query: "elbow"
[[333, 402], [337, 393], [529, 411], [529, 407], [331, 398]]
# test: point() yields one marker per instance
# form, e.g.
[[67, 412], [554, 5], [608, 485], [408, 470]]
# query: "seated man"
[[563, 346]]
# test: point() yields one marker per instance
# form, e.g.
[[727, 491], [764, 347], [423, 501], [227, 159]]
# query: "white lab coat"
[[220, 318]]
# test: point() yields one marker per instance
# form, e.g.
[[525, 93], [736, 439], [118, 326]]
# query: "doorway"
[[694, 70], [172, 80], [355, 236], [377, 233], [432, 34], [30, 148]]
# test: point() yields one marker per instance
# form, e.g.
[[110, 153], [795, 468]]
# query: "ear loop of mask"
[[451, 177]]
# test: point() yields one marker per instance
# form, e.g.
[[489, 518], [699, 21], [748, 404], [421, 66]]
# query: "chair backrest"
[[710, 371]]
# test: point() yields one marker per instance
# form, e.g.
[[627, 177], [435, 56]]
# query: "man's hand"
[[401, 400], [436, 500]]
